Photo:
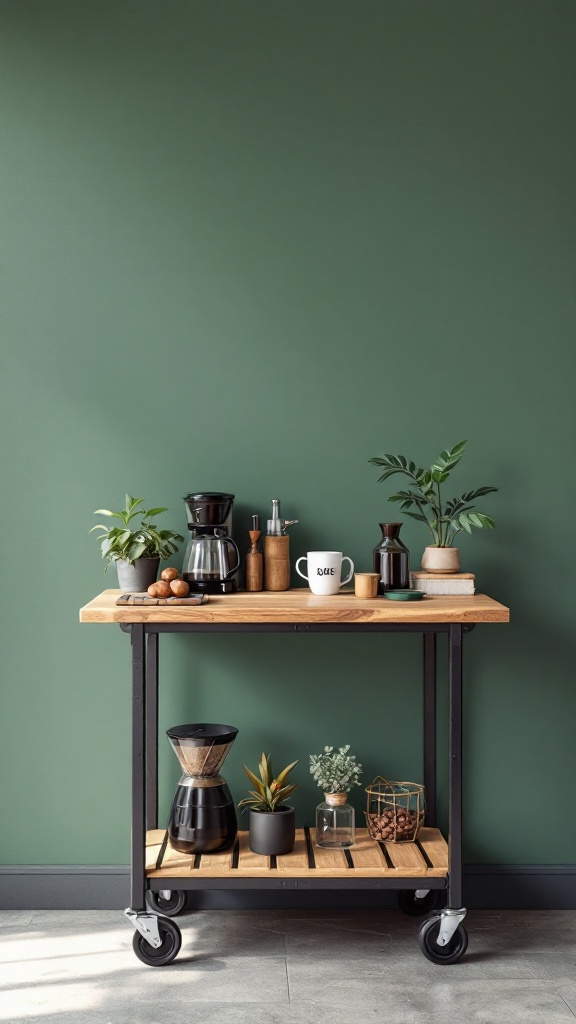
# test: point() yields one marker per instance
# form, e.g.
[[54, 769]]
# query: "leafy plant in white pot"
[[137, 546], [424, 502]]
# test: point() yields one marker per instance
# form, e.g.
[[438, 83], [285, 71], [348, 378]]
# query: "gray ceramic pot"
[[272, 832], [135, 579]]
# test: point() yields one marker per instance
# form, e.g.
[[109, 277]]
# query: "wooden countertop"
[[300, 605]]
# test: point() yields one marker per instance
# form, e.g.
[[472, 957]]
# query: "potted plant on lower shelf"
[[137, 545], [335, 773], [272, 822], [423, 501]]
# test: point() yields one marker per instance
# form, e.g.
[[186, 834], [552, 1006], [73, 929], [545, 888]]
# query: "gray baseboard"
[[85, 887]]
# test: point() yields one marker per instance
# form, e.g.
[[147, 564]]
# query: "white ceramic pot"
[[441, 560]]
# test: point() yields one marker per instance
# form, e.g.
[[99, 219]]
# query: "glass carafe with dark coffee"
[[391, 560], [203, 816], [212, 557]]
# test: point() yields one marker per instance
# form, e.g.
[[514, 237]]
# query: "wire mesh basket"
[[395, 810]]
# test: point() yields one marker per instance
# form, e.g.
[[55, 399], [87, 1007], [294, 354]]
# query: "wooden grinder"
[[254, 573], [277, 550]]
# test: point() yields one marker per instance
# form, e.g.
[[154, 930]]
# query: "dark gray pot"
[[272, 832], [135, 579]]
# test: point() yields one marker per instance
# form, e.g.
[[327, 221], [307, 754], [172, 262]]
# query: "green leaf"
[[154, 512], [464, 522], [135, 551], [416, 515], [253, 778], [484, 522], [265, 769], [479, 493], [281, 778], [282, 794]]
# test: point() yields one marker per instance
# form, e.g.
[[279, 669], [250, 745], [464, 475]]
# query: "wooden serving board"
[[145, 599]]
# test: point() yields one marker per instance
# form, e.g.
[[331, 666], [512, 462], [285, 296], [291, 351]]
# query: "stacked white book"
[[454, 584]]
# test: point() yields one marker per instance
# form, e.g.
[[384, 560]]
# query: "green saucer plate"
[[405, 595]]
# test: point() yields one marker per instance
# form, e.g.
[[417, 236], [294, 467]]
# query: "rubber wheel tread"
[[450, 954], [169, 908], [167, 952]]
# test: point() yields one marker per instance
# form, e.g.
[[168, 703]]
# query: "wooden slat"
[[367, 857], [435, 848], [216, 863], [406, 858], [295, 863], [248, 862], [328, 862], [173, 864], [154, 840], [366, 853], [300, 605]]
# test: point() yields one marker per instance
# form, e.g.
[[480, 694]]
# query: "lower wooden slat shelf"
[[425, 859]]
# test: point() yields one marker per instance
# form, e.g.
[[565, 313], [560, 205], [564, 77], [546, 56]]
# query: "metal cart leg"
[[146, 924], [454, 913], [443, 938], [430, 726], [455, 636], [418, 902], [138, 839], [168, 902], [152, 731]]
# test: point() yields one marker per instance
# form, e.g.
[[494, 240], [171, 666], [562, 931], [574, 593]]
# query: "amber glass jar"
[[391, 560]]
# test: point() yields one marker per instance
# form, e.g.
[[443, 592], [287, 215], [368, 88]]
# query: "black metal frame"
[[145, 641]]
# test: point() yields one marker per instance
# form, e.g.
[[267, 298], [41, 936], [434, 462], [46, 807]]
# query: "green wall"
[[247, 246]]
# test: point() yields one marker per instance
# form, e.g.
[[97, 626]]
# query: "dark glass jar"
[[392, 560]]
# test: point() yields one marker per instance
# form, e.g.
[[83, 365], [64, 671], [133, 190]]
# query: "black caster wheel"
[[166, 953], [410, 904], [170, 907], [449, 954]]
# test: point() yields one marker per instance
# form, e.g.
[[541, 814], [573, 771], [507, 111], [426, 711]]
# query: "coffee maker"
[[212, 558], [203, 817]]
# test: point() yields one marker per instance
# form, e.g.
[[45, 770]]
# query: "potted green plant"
[[272, 822], [423, 501], [136, 546], [335, 773]]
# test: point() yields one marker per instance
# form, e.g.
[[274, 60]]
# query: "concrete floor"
[[269, 967]]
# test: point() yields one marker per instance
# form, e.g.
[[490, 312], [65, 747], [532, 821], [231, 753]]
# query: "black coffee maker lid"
[[204, 733], [209, 496]]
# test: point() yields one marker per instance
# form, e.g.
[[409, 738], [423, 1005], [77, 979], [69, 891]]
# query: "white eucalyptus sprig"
[[335, 773]]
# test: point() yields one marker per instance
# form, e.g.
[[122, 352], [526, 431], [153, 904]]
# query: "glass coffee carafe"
[[212, 558], [391, 560]]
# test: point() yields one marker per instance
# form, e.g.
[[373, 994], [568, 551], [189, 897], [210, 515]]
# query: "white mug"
[[324, 571]]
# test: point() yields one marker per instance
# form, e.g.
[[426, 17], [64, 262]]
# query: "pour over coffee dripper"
[[203, 816]]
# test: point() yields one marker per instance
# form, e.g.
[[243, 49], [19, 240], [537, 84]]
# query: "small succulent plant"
[[335, 773], [269, 792]]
